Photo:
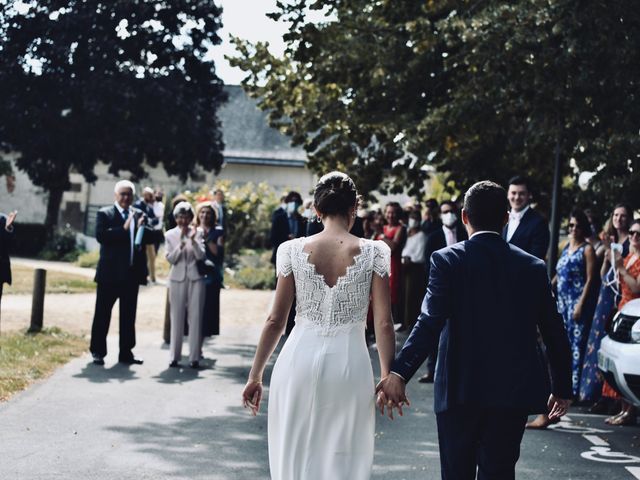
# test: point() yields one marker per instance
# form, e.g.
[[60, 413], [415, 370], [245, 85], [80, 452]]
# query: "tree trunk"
[[53, 209]]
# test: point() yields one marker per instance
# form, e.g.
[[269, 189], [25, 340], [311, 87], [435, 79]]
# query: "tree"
[[126, 83], [474, 89]]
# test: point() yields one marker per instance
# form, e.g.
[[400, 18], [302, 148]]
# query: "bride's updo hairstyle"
[[335, 194]]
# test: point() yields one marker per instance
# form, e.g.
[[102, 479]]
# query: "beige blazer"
[[182, 254]]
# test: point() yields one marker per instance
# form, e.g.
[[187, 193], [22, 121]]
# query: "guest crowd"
[[589, 287], [597, 273]]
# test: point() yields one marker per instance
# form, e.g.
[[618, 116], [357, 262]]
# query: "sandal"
[[624, 419]]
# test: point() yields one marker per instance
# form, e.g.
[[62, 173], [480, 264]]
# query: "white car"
[[619, 355]]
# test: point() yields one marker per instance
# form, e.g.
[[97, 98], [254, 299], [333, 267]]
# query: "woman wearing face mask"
[[415, 271]]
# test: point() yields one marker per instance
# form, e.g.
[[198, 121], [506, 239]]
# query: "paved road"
[[152, 422]]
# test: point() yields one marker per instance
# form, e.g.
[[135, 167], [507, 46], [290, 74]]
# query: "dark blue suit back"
[[485, 301]]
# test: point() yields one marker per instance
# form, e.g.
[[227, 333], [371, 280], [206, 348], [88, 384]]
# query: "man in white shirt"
[[526, 229]]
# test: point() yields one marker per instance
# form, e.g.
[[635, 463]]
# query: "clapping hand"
[[10, 219], [252, 395], [391, 394], [557, 407]]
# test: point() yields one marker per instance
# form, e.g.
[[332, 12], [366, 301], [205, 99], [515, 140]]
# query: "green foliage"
[[27, 358], [88, 259], [387, 90], [125, 83], [254, 270], [62, 246], [249, 209]]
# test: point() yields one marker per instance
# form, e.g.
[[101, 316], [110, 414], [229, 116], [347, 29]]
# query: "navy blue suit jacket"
[[532, 234], [485, 301], [115, 249]]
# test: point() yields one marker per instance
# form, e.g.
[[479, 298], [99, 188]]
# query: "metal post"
[[555, 213], [166, 335], [37, 302]]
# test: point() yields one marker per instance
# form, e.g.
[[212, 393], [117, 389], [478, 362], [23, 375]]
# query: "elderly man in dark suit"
[[122, 268], [526, 228], [485, 302], [6, 240]]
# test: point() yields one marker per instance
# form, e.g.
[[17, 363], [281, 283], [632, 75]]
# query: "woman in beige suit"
[[184, 247]]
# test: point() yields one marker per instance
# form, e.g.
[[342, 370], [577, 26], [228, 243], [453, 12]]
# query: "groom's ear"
[[465, 218]]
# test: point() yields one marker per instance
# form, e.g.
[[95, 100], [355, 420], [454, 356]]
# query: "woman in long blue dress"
[[575, 274]]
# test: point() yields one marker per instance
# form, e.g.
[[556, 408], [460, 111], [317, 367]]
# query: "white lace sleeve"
[[382, 259], [283, 259]]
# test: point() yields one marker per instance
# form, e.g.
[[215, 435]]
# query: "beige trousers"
[[151, 261], [186, 300]]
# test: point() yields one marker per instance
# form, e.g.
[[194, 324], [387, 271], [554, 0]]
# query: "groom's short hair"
[[486, 206]]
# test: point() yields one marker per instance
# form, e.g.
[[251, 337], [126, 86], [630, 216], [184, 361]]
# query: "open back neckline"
[[354, 262]]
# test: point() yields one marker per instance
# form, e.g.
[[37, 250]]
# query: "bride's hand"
[[252, 395]]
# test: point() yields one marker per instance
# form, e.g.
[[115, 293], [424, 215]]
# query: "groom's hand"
[[391, 393], [557, 407]]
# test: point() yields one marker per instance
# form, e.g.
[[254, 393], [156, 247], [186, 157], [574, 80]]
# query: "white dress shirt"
[[158, 211], [132, 227], [450, 235], [415, 247], [514, 221]]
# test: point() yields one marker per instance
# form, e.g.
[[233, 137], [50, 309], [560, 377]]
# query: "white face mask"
[[307, 213], [449, 219], [413, 223], [291, 207]]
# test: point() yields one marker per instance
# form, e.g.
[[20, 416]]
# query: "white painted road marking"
[[597, 441], [635, 471]]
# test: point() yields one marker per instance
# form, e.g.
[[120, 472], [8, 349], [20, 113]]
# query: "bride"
[[321, 414]]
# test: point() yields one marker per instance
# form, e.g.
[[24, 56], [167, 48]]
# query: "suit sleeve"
[[436, 309], [540, 239], [108, 235], [172, 248], [554, 337]]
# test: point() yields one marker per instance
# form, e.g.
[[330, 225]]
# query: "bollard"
[[37, 302], [166, 335]]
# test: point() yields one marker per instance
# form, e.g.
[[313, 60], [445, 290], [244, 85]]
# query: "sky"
[[245, 19]]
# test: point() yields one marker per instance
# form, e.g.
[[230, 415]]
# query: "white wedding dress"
[[321, 417]]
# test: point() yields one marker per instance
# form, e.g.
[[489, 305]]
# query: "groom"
[[485, 301]]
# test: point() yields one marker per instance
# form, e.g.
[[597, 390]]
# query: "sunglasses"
[[634, 232], [573, 225]]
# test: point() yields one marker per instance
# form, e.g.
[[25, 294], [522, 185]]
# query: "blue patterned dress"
[[591, 380], [571, 277]]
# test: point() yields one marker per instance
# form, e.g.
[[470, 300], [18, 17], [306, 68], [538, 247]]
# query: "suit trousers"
[[482, 440], [186, 300], [106, 295]]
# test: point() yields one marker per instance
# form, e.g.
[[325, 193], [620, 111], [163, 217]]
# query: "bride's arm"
[[271, 333], [383, 323]]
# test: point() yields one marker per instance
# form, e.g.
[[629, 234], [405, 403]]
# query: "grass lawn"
[[25, 358], [57, 282]]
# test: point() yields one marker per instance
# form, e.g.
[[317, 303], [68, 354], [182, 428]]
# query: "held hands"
[[252, 395], [557, 407], [391, 394]]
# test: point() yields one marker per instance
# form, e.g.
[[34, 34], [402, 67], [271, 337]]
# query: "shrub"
[[255, 278], [62, 246], [88, 259], [249, 209], [253, 270]]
